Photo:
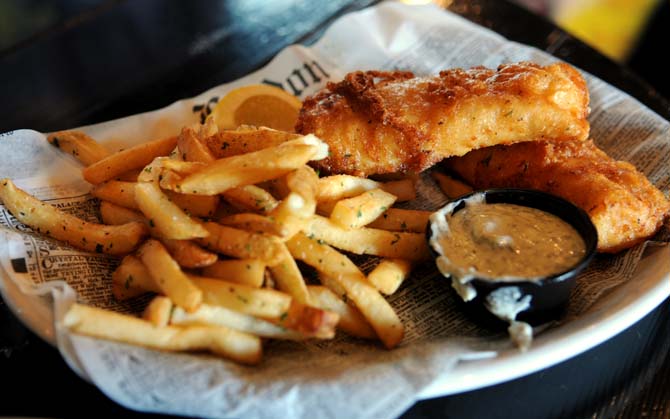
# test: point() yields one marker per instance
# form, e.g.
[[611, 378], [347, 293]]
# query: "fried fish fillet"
[[383, 122], [624, 206]]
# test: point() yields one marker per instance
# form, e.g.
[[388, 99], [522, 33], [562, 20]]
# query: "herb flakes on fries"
[[213, 222]]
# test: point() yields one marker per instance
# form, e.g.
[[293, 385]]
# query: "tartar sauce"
[[507, 240]]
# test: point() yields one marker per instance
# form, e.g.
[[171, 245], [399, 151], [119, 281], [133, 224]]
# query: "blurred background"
[[631, 32]]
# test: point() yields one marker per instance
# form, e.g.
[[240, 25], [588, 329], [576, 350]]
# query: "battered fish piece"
[[384, 122], [624, 206]]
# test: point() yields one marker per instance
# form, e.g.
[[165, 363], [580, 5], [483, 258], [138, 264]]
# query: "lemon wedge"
[[259, 105]]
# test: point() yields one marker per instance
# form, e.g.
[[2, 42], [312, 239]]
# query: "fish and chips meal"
[[244, 232]]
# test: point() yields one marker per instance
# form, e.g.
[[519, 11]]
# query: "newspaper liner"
[[340, 378]]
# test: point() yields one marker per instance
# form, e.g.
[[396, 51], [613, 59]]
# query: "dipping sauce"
[[509, 241]]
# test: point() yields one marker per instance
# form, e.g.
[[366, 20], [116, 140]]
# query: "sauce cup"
[[515, 300]]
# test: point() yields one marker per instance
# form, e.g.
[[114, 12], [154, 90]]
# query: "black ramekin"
[[550, 294]]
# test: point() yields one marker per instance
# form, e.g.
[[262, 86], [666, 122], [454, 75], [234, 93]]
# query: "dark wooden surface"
[[71, 63]]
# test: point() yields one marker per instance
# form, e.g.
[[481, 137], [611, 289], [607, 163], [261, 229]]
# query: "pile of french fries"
[[214, 222]]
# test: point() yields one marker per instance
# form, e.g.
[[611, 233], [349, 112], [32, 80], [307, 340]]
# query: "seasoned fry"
[[188, 254], [242, 244], [180, 167], [336, 187], [245, 140], [242, 271], [117, 192], [190, 146], [334, 286], [396, 219], [222, 316], [251, 168], [351, 319], [113, 214], [123, 193], [131, 278], [132, 158], [46, 219], [259, 302], [168, 276], [298, 204], [287, 218], [129, 176], [158, 311], [251, 198], [288, 277], [310, 321], [195, 205], [277, 187], [362, 209], [302, 183], [403, 189], [81, 146], [389, 275], [220, 340], [369, 241], [165, 216], [374, 307], [451, 187], [255, 223]]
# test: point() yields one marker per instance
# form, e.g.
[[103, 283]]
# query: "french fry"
[[222, 316], [299, 204], [333, 285], [369, 241], [277, 187], [389, 275], [117, 192], [242, 271], [396, 219], [451, 187], [372, 305], [220, 340], [251, 198], [131, 158], [242, 244], [351, 319], [195, 205], [259, 302], [113, 214], [303, 183], [157, 312], [153, 171], [286, 216], [165, 216], [47, 219], [362, 209], [123, 193], [168, 276], [336, 187], [245, 140], [251, 168], [188, 254], [182, 168], [131, 278], [310, 321], [129, 176], [403, 189], [255, 223], [288, 277], [81, 146], [191, 147]]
